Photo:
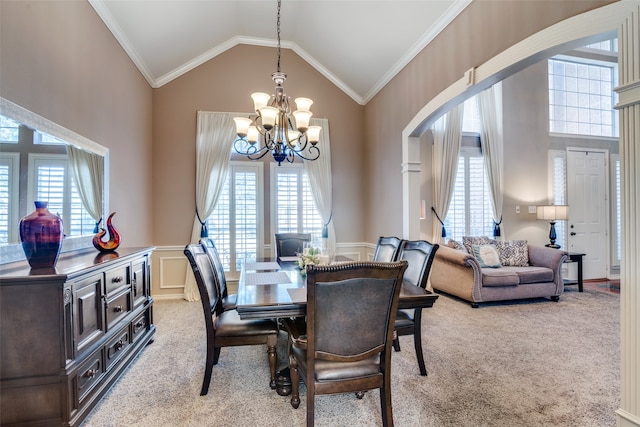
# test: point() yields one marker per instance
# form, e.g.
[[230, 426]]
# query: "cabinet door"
[[139, 281], [87, 312]]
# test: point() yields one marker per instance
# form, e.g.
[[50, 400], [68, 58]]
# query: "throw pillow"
[[513, 253], [453, 244], [469, 241], [487, 256]]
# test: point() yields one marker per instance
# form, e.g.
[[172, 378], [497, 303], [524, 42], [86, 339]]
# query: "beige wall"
[[60, 61], [482, 30], [225, 84]]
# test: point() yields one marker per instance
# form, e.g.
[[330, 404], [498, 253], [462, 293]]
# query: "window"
[[9, 130], [234, 224], [51, 180], [9, 163], [292, 200], [581, 97], [558, 168], [617, 235], [470, 212]]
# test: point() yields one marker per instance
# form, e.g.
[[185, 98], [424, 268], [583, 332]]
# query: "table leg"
[[580, 274]]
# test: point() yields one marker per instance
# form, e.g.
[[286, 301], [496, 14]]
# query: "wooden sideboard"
[[68, 333]]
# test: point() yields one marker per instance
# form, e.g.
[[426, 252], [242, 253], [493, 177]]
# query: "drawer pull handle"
[[91, 373], [119, 345], [117, 279], [140, 324], [117, 308]]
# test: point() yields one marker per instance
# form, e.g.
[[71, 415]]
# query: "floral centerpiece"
[[309, 256]]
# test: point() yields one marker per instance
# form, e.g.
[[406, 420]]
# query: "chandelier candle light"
[[283, 133]]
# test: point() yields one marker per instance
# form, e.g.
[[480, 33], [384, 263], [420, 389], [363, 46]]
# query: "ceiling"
[[357, 44]]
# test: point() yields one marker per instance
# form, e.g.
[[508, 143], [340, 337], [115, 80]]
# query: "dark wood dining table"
[[275, 289]]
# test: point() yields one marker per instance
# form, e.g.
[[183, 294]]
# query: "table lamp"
[[552, 213]]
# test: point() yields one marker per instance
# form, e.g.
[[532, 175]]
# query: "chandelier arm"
[[251, 150], [313, 148]]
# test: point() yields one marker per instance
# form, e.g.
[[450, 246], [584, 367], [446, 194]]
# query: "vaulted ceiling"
[[357, 44]]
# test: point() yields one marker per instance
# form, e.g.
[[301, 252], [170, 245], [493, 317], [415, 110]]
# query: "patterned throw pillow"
[[514, 253], [469, 241], [487, 256], [453, 244]]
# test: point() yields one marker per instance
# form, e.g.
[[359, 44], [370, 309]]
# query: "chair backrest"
[[206, 280], [387, 249], [419, 254], [351, 309], [289, 244], [210, 249]]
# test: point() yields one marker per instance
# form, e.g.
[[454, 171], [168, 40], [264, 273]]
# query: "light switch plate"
[[532, 209]]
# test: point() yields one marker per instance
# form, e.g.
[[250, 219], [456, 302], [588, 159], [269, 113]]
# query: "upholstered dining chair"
[[289, 244], [225, 328], [419, 254], [228, 300], [347, 348], [387, 249]]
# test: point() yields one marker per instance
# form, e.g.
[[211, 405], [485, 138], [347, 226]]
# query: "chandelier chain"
[[278, 31]]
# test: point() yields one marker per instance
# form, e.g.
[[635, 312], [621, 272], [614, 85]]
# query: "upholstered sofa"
[[458, 272]]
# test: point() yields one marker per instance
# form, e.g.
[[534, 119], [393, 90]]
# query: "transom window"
[[581, 97]]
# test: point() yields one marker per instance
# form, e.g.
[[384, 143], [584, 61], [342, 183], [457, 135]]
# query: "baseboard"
[[626, 419]]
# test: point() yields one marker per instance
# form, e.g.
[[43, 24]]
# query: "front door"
[[588, 202]]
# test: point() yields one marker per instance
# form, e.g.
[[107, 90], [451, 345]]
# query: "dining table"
[[270, 289]]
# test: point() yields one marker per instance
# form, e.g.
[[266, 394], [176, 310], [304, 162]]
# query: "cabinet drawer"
[[140, 325], [117, 347], [117, 308], [117, 278], [89, 374]]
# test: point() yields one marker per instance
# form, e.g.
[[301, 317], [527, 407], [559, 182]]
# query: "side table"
[[575, 257]]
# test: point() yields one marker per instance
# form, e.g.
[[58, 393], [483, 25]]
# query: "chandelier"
[[274, 128]]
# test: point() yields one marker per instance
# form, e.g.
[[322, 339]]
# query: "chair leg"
[[273, 359], [385, 402], [295, 382], [207, 370], [311, 403], [396, 340], [417, 341]]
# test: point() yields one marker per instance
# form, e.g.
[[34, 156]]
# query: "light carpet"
[[535, 363]]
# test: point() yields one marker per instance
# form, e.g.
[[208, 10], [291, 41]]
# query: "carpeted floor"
[[537, 363]]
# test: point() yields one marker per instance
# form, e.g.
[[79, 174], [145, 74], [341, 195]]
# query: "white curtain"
[[88, 172], [214, 139], [490, 108], [447, 138], [319, 172]]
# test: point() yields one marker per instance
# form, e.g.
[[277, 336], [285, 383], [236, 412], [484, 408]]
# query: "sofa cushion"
[[533, 274], [513, 253], [454, 244], [499, 277], [487, 256], [469, 241]]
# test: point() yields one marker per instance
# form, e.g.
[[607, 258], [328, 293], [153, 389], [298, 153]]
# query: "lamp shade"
[[552, 212]]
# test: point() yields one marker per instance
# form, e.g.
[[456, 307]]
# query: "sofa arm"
[[456, 273], [542, 256]]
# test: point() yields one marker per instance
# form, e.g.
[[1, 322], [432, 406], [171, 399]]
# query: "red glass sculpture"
[[114, 238]]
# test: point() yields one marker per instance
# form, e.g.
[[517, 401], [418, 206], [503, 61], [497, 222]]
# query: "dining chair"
[[290, 244], [228, 300], [347, 348], [225, 328], [387, 249], [419, 254]]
